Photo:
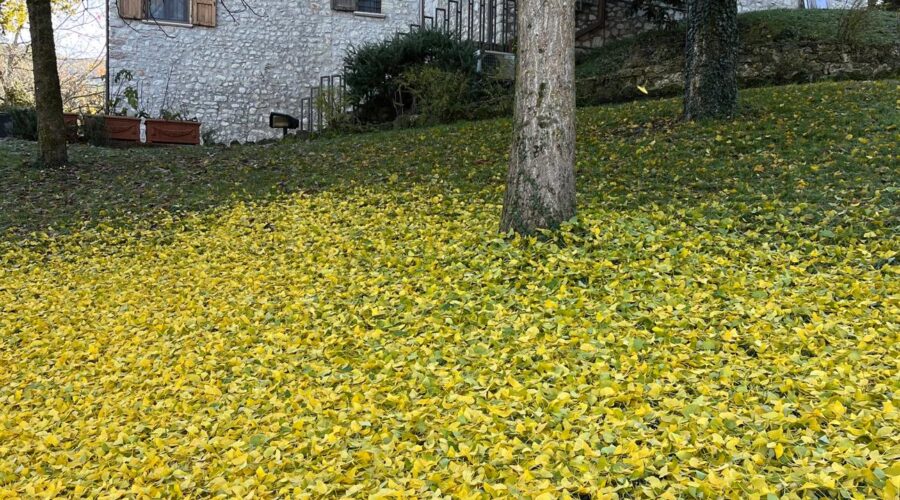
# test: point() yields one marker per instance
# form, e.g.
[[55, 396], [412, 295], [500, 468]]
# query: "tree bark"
[[540, 186], [710, 68], [47, 98]]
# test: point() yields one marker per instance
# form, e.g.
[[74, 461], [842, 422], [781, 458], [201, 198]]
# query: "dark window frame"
[[369, 6], [148, 8]]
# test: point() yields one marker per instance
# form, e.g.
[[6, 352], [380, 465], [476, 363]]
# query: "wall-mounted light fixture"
[[283, 121]]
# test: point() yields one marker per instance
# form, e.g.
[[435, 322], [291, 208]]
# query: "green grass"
[[789, 26], [631, 156]]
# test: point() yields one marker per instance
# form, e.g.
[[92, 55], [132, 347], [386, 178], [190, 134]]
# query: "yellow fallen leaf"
[[837, 408]]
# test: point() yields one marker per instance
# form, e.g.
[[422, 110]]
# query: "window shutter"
[[204, 12], [131, 9], [345, 5]]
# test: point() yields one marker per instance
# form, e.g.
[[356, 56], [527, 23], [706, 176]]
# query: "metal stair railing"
[[491, 24]]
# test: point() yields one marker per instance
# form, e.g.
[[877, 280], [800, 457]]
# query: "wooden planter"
[[71, 121], [123, 128], [172, 132]]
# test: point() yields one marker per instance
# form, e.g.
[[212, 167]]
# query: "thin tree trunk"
[[710, 68], [540, 188], [47, 98]]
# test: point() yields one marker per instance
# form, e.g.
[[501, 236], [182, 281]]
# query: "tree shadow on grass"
[[824, 148]]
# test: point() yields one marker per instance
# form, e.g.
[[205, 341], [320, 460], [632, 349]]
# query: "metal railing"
[[491, 24]]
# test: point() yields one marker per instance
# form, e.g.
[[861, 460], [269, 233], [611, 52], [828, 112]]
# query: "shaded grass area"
[[820, 148], [778, 26]]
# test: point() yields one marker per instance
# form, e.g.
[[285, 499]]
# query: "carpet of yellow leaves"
[[387, 344]]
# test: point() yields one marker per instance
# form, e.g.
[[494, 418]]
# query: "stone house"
[[229, 63]]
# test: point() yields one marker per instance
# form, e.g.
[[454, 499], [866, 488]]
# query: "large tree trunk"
[[47, 99], [540, 188], [710, 63]]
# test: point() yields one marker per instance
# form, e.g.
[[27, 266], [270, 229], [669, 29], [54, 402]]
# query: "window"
[[367, 6], [183, 12], [169, 10], [373, 6]]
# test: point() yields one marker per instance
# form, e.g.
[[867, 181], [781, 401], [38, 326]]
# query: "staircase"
[[491, 24]]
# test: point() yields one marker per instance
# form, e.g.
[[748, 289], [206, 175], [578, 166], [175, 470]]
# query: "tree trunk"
[[540, 185], [47, 98], [710, 62]]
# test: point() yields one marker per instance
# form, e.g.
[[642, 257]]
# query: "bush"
[[24, 123], [440, 96], [373, 72], [853, 23], [16, 96], [331, 103], [436, 95], [94, 130]]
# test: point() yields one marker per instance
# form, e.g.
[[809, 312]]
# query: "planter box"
[[172, 132], [71, 121], [123, 128]]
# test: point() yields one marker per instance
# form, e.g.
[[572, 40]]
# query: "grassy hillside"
[[786, 26], [340, 318], [777, 47], [629, 147]]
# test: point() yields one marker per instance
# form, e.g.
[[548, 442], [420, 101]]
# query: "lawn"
[[341, 318]]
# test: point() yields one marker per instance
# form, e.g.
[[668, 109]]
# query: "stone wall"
[[659, 70], [620, 23], [231, 76]]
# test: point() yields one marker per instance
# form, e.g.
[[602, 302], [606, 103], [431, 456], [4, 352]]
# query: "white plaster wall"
[[231, 76]]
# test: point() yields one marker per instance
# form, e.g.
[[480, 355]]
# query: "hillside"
[[777, 47]]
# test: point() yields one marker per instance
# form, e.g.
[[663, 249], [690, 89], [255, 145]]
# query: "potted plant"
[[123, 128], [117, 125], [172, 128], [116, 128]]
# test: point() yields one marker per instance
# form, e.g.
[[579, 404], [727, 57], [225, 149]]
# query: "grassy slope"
[[722, 320], [630, 155], [756, 28]]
